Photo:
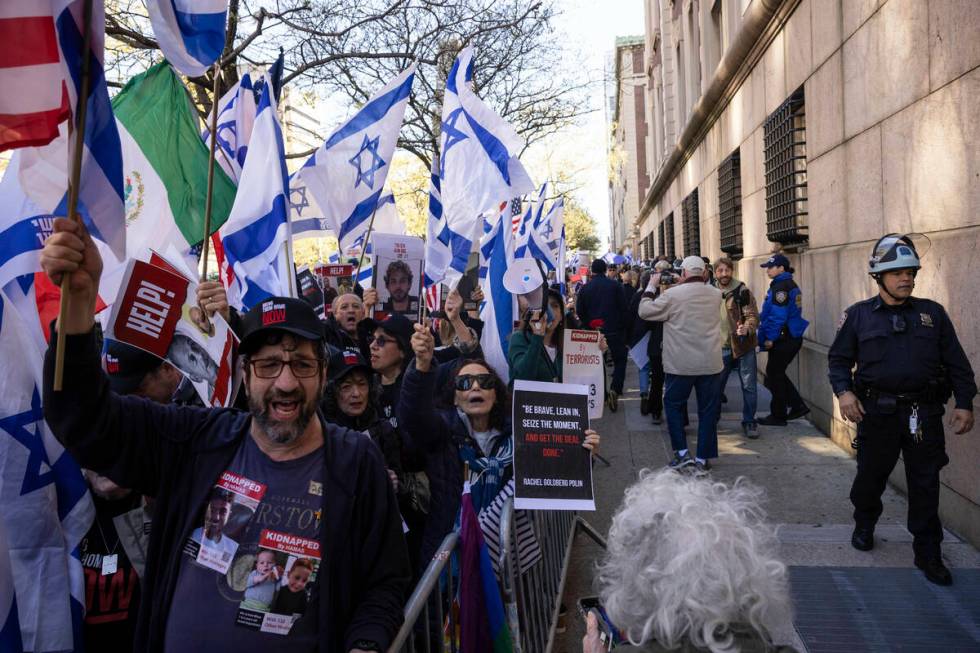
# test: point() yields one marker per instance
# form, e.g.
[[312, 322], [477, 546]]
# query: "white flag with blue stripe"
[[191, 33], [236, 118], [45, 505], [497, 311], [257, 228], [478, 164], [346, 175]]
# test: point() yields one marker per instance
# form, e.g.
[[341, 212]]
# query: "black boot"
[[863, 538], [935, 571], [644, 404]]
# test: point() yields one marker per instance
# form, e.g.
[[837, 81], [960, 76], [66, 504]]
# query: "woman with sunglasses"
[[475, 433]]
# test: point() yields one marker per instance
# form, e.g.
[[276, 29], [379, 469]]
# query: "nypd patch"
[[780, 297]]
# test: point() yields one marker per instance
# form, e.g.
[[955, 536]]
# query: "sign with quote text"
[[582, 363], [552, 471]]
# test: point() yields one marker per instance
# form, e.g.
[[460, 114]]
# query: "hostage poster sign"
[[552, 471], [582, 363]]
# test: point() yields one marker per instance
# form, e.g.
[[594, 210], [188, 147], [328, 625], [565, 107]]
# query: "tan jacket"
[[734, 296], [691, 313]]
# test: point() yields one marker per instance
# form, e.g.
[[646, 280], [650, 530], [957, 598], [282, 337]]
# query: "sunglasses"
[[380, 341], [271, 368], [465, 381]]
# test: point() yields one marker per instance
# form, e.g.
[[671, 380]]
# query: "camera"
[[668, 278]]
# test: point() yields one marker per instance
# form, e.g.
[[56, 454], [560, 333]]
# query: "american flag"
[[515, 214]]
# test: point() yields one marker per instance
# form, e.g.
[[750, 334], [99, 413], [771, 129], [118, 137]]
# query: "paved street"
[[807, 479]]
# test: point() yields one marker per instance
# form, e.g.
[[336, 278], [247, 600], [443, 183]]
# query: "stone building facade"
[[822, 125], [628, 178]]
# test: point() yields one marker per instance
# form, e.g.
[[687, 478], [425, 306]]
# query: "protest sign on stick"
[[309, 290], [398, 275], [582, 363], [552, 470]]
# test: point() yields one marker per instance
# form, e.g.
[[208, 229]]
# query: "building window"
[[661, 238], [784, 136], [730, 204], [667, 236], [692, 224]]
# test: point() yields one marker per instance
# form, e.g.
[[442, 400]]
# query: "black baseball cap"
[[345, 361], [401, 329], [287, 314], [127, 366], [776, 260]]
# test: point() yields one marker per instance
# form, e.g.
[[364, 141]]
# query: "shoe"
[[644, 404], [935, 571], [702, 467], [680, 462], [658, 418], [612, 400], [751, 430], [797, 413], [863, 538], [769, 420], [724, 398]]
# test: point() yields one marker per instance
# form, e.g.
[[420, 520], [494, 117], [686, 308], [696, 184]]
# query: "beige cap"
[[693, 264]]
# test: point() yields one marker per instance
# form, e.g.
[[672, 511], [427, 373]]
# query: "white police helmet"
[[893, 252]]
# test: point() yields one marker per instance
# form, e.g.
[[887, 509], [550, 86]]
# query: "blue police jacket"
[[782, 308]]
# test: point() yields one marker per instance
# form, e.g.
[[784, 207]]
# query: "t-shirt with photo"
[[275, 521]]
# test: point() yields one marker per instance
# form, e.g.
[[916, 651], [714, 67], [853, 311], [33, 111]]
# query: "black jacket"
[[176, 454], [602, 299]]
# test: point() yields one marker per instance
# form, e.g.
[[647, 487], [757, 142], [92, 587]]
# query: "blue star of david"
[[548, 229], [25, 428], [367, 176], [452, 135], [302, 203]]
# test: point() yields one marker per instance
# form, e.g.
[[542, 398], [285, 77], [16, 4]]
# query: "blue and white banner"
[[45, 505], [497, 311], [346, 175], [191, 33], [257, 229], [23, 227], [236, 118], [478, 165]]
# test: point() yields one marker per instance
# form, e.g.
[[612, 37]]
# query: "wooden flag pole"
[[74, 185], [211, 157]]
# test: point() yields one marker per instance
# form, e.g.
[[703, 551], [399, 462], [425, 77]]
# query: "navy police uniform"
[[781, 322], [908, 361]]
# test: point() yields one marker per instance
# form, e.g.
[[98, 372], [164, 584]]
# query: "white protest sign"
[[582, 363]]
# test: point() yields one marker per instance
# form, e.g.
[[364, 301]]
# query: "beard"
[[276, 430]]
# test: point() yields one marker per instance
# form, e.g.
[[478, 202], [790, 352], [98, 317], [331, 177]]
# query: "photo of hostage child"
[[211, 536], [291, 598], [260, 588]]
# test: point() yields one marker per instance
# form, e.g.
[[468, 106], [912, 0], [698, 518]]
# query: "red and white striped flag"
[[432, 297], [35, 97]]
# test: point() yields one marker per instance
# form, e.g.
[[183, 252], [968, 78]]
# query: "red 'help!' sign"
[[150, 308]]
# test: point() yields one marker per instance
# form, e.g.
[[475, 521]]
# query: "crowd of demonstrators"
[[739, 322], [601, 304], [781, 328], [692, 357]]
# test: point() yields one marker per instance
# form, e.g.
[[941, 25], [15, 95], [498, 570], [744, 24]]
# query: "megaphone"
[[524, 278]]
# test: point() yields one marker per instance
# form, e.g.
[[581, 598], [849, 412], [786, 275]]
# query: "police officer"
[[781, 328], [908, 361]]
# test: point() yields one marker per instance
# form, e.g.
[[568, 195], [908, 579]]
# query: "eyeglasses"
[[271, 368], [465, 381], [380, 341], [898, 324]]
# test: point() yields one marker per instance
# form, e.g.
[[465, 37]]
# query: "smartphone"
[[548, 314], [608, 634]]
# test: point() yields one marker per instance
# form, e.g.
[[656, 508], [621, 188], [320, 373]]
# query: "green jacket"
[[529, 360]]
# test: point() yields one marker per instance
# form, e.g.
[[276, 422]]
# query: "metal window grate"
[[730, 204], [784, 134], [661, 238], [692, 224], [668, 236]]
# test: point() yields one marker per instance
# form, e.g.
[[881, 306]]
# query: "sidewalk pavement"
[[807, 479]]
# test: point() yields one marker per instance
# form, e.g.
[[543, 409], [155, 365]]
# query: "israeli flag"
[[236, 118], [258, 227], [497, 311], [346, 175], [191, 33], [438, 251], [478, 165], [23, 227]]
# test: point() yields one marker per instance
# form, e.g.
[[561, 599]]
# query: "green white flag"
[[165, 165]]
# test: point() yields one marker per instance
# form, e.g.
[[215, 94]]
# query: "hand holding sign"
[[70, 250], [212, 298]]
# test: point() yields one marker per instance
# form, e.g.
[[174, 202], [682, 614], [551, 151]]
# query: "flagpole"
[[211, 160], [74, 185], [367, 239]]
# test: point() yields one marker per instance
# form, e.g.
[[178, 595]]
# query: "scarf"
[[486, 470]]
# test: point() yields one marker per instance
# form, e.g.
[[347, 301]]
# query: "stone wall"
[[893, 145]]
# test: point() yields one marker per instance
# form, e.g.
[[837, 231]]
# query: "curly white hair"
[[690, 559]]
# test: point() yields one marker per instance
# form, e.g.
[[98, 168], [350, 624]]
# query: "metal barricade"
[[422, 629]]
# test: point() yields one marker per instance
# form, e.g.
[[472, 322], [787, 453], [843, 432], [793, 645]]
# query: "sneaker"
[[770, 420], [644, 404], [612, 400], [680, 462], [797, 413], [658, 418], [751, 430], [702, 466], [935, 571]]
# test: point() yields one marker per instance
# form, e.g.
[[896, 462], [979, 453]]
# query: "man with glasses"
[[298, 486], [909, 361]]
